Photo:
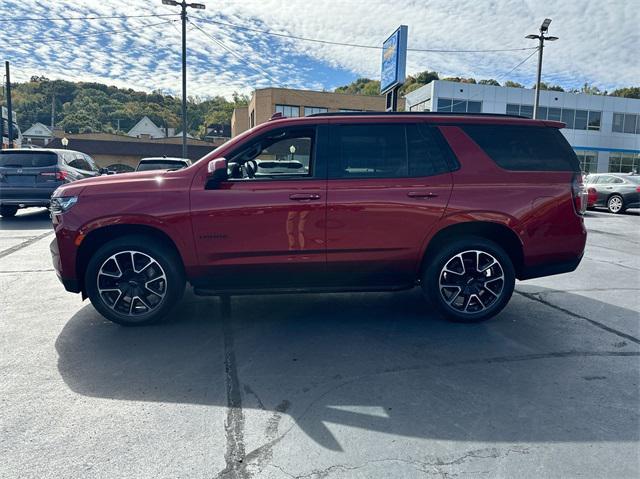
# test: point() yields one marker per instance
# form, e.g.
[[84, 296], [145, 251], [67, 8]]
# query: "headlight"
[[61, 204]]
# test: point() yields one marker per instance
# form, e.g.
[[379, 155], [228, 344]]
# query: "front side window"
[[279, 154], [289, 111]]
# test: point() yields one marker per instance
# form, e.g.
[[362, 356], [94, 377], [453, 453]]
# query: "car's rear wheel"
[[615, 204], [134, 280], [469, 280], [8, 211]]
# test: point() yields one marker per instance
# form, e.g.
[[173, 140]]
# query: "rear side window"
[[388, 151], [525, 148], [28, 160]]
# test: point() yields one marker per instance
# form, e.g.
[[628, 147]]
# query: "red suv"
[[460, 205]]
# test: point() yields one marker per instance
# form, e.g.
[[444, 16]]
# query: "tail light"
[[59, 175], [592, 196], [637, 189], [579, 193]]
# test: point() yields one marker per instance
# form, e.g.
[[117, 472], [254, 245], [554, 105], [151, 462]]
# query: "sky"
[[598, 42]]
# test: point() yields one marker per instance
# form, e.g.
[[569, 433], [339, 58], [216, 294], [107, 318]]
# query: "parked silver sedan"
[[615, 191]]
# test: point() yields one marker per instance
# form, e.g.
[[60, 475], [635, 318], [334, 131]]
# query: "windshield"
[[27, 159], [160, 165]]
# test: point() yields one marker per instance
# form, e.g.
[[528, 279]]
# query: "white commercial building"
[[603, 130]]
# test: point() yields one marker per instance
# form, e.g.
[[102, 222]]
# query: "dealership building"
[[603, 130]]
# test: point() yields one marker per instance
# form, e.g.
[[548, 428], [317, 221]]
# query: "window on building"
[[574, 119], [581, 120], [252, 120], [594, 120], [422, 106], [618, 122], [621, 162], [629, 123], [568, 117], [459, 106], [588, 161], [289, 111], [554, 114], [313, 110], [444, 104], [542, 113]]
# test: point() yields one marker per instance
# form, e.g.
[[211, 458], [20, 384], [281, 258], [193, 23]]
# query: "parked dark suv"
[[28, 177], [460, 205]]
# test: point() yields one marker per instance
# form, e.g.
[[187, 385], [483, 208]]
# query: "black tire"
[[615, 204], [167, 275], [8, 211], [445, 299]]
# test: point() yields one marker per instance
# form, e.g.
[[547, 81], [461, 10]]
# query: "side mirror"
[[216, 172]]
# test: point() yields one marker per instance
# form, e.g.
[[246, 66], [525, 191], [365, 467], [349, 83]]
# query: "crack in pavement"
[[234, 424], [24, 244], [598, 324], [428, 465]]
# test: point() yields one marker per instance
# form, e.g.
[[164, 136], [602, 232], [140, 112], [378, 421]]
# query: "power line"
[[237, 55], [355, 45], [522, 62], [97, 17]]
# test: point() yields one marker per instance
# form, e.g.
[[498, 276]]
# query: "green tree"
[[489, 81], [627, 92], [513, 84]]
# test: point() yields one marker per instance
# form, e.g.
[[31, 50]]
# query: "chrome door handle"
[[304, 196], [418, 194]]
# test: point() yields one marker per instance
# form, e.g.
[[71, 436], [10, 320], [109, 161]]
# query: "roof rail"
[[412, 113]]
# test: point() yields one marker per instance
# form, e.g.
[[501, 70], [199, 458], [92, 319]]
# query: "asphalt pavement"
[[324, 386]]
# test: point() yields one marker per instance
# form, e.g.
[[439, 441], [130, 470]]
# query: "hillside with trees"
[[94, 107], [367, 86]]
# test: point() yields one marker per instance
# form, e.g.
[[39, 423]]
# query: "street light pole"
[[183, 18], [541, 38]]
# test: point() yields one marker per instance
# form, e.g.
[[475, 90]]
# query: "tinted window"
[[91, 163], [369, 150], [525, 148], [78, 162], [160, 165], [28, 159], [428, 152]]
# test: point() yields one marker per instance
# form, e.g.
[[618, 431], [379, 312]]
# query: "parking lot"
[[314, 386]]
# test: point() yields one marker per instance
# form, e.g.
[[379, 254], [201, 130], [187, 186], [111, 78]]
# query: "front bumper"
[[71, 284]]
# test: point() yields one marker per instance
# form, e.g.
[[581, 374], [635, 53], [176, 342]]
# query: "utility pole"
[[9, 107], [183, 18], [53, 110], [544, 28]]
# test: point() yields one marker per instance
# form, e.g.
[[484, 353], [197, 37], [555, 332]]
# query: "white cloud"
[[598, 42]]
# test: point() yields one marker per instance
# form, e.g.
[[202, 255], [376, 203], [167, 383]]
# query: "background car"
[[162, 163], [615, 191], [29, 176]]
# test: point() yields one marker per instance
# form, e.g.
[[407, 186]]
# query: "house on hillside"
[[146, 128], [37, 134], [218, 131]]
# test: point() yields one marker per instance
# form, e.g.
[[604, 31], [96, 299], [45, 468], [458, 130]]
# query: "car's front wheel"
[[134, 280], [469, 280], [8, 211]]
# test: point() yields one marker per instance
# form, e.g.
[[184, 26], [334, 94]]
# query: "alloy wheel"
[[471, 282], [131, 283], [615, 204]]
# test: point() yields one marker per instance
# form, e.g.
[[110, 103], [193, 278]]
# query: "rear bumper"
[[549, 269], [26, 196]]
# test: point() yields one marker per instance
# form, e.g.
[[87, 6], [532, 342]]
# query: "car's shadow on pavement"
[[27, 219], [378, 362]]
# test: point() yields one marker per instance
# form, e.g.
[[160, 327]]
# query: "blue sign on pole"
[[394, 59]]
